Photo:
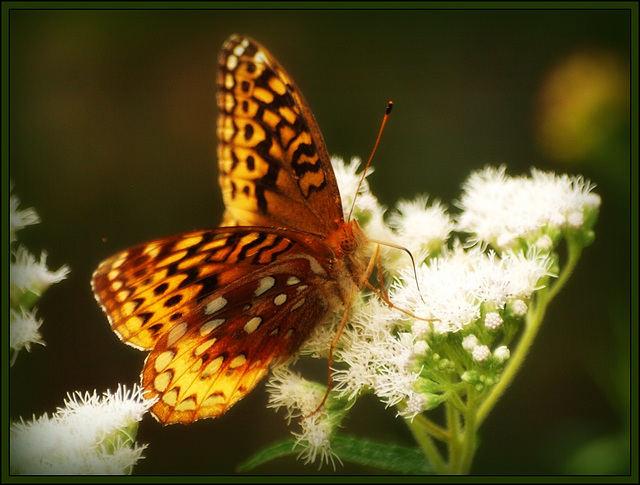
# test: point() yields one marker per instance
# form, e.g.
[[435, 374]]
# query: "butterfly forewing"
[[274, 167]]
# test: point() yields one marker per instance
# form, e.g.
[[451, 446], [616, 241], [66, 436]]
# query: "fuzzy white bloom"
[[419, 227], [28, 279], [377, 358], [480, 353], [493, 321], [518, 308], [454, 286], [498, 209], [301, 398], [91, 435], [315, 441], [24, 330], [370, 327], [297, 395], [470, 342], [502, 353], [27, 274], [442, 293], [544, 243], [525, 272], [18, 219]]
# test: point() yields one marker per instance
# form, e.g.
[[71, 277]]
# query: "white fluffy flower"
[[287, 389], [480, 353], [24, 330], [502, 353], [89, 436], [377, 358], [18, 219], [498, 209], [419, 227], [301, 398], [442, 292], [452, 288], [25, 273], [493, 321]]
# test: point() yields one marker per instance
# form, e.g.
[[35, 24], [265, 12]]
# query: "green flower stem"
[[469, 443], [429, 427], [453, 424], [532, 324], [420, 427], [574, 249]]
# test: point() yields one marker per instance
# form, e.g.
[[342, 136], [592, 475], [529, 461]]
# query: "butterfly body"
[[216, 308]]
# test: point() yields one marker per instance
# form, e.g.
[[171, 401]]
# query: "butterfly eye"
[[348, 244]]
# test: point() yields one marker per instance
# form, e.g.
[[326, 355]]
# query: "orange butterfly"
[[217, 307]]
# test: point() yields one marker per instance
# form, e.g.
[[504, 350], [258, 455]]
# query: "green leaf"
[[275, 450], [384, 456], [392, 458]]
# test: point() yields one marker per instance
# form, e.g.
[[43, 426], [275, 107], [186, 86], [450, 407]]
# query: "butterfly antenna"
[[366, 167]]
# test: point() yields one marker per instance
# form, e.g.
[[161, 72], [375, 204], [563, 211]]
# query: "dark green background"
[[112, 141]]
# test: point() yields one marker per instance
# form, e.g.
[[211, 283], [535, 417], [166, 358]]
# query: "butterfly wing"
[[217, 307], [275, 170], [200, 371]]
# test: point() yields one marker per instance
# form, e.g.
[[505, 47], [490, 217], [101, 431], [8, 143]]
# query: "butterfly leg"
[[375, 259]]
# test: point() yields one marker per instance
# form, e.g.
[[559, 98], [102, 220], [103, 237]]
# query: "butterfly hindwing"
[[217, 307], [201, 370]]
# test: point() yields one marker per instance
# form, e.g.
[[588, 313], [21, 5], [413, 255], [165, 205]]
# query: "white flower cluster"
[[454, 287], [90, 435], [29, 275], [499, 210], [19, 219], [301, 399], [452, 317], [29, 278]]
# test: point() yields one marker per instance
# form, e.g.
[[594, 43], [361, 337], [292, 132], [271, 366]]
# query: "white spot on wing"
[[237, 361], [232, 62], [176, 333], [298, 304], [293, 280], [252, 324], [215, 305], [210, 326], [264, 285]]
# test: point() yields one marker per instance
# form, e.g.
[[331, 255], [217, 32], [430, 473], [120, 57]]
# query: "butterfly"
[[218, 307]]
